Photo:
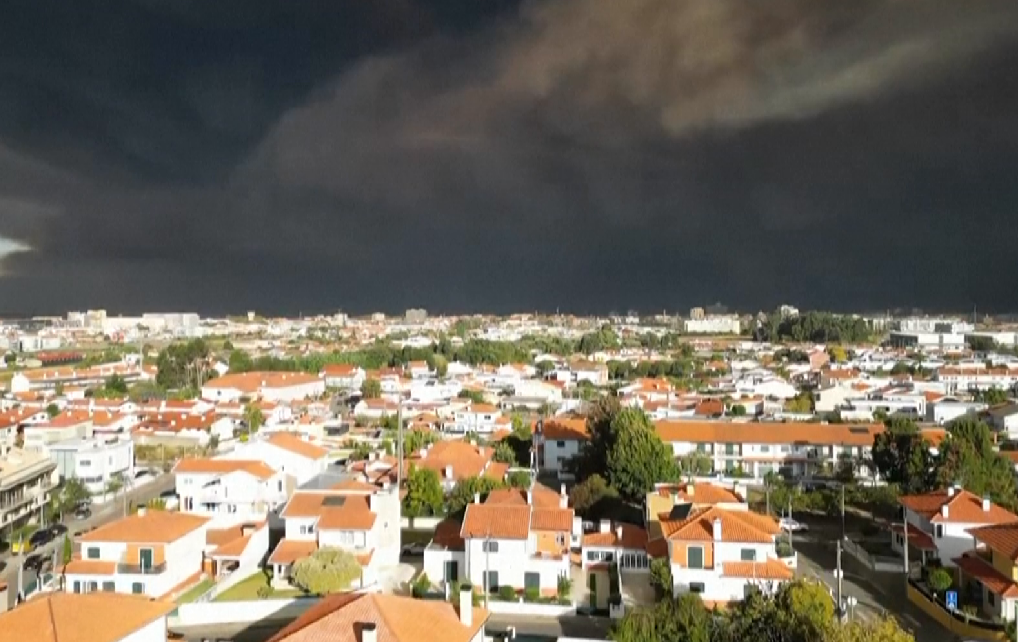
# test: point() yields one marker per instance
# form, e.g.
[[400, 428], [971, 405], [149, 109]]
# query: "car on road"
[[416, 549], [57, 529], [33, 562], [789, 525], [82, 512], [41, 537]]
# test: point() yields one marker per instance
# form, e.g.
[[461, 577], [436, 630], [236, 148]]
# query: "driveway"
[[636, 588]]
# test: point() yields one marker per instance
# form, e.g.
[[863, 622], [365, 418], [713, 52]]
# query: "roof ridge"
[[52, 617]]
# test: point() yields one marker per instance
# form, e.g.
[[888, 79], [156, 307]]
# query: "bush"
[[507, 593], [939, 579], [661, 576], [532, 594], [565, 586], [264, 592], [421, 586], [784, 549]]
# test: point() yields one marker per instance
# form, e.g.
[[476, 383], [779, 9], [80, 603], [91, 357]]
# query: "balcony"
[[136, 569]]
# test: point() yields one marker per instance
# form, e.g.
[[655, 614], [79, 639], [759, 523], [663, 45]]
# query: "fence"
[[420, 523], [878, 563], [246, 612]]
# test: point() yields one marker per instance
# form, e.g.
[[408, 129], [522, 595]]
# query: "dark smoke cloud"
[[580, 154]]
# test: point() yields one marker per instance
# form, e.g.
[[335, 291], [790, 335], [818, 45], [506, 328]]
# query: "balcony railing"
[[137, 569]]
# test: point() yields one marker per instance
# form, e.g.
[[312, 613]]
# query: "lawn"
[[195, 591], [247, 589]]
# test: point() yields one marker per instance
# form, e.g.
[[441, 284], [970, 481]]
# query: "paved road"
[[533, 627], [101, 514]]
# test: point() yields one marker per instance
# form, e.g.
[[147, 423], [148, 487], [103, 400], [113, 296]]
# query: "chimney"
[[986, 503], [466, 605], [943, 510], [563, 501], [562, 490], [618, 532], [530, 498], [477, 498], [473, 442], [448, 471], [424, 453], [740, 491], [950, 490], [606, 526], [717, 529], [690, 490], [480, 451], [369, 632], [141, 511], [675, 496]]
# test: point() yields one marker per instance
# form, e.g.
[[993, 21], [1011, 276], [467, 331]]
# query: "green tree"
[[439, 364], [805, 609], [424, 494], [68, 550], [981, 344], [544, 367], [253, 417], [52, 410], [240, 361], [684, 619], [902, 456], [737, 410], [463, 492], [939, 579], [183, 365], [661, 576], [604, 339], [327, 570], [521, 427], [415, 440], [696, 464], [884, 629], [116, 385], [10, 358], [801, 403], [992, 397], [72, 493], [520, 479], [504, 453], [968, 456], [114, 485], [475, 396], [371, 389], [637, 458], [589, 492]]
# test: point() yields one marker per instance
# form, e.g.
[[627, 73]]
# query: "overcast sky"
[[456, 155]]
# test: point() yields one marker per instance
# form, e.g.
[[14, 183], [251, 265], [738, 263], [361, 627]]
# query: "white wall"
[[215, 613], [293, 528], [154, 631], [556, 453], [434, 564], [507, 562]]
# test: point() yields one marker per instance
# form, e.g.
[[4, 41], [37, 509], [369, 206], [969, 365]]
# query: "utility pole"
[[790, 529], [487, 571], [840, 574], [843, 511], [905, 546], [399, 445]]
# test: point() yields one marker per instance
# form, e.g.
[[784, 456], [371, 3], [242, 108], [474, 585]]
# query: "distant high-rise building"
[[697, 314], [416, 315]]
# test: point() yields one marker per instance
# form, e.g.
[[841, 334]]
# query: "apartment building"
[[939, 523], [154, 553], [480, 418], [27, 478], [963, 379], [94, 462], [376, 617], [230, 489], [341, 376], [992, 569], [67, 376], [364, 521], [38, 436], [286, 453], [95, 617], [590, 371], [515, 538], [558, 440], [270, 386], [719, 553], [793, 449]]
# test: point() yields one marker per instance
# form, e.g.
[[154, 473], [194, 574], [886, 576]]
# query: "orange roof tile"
[[633, 537], [233, 548], [73, 617], [447, 534], [962, 508], [155, 526], [498, 521], [295, 444], [541, 495], [257, 469], [736, 526], [771, 569], [551, 519], [767, 433], [996, 582], [251, 382], [1002, 538], [289, 551], [700, 493], [90, 567], [563, 429]]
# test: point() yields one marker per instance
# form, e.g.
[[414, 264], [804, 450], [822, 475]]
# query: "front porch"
[[921, 547]]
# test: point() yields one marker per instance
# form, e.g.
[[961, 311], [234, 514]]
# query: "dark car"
[[33, 562], [83, 512], [57, 529], [40, 537]]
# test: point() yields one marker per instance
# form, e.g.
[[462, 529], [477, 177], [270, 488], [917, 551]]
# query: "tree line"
[[815, 327]]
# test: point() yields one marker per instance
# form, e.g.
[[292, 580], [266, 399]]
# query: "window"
[[77, 587], [785, 449], [92, 552], [85, 463], [490, 580], [696, 587], [93, 587], [748, 555], [593, 556], [109, 587], [452, 571], [532, 581], [939, 532], [560, 539], [489, 546], [989, 598], [765, 449], [560, 444], [137, 588], [279, 485], [303, 530], [694, 557]]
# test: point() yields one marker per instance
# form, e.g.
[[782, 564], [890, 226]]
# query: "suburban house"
[[664, 497], [95, 617], [939, 523], [590, 371], [1004, 419], [719, 553], [480, 418], [270, 386], [457, 459], [362, 520], [285, 453], [153, 552], [376, 617], [240, 489], [342, 376], [60, 428], [375, 408], [795, 449], [989, 574], [26, 480], [624, 544], [96, 461], [182, 428], [515, 538], [558, 440]]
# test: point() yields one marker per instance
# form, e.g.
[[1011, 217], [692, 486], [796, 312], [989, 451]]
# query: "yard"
[[195, 591], [249, 589]]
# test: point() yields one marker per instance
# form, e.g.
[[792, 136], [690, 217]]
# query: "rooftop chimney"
[[606, 526], [473, 442], [466, 605], [717, 529], [986, 503], [448, 471], [943, 510], [950, 490], [480, 451], [530, 498], [477, 498], [424, 453], [618, 532], [563, 501], [690, 489], [675, 496], [562, 490], [141, 511], [369, 632]]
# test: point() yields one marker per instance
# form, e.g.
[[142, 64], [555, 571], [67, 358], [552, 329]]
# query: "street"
[[101, 514]]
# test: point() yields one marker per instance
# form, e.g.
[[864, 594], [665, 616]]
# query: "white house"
[[49, 617], [154, 553], [94, 461], [343, 376], [939, 523], [270, 386], [232, 489], [1005, 419], [481, 418], [558, 440], [285, 453], [946, 410]]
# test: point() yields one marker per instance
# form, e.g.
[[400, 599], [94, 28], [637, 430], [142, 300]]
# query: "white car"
[[416, 549], [791, 526]]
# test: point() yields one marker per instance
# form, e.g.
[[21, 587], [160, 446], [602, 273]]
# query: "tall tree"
[[589, 492], [902, 456], [968, 456], [463, 492], [371, 389], [424, 495]]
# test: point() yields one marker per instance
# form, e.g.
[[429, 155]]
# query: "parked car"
[[82, 512], [41, 537], [33, 562], [415, 549], [791, 526], [57, 529]]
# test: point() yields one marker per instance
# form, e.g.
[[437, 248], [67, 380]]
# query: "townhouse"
[[341, 376], [939, 523], [519, 539], [623, 544], [270, 386], [558, 440], [153, 552], [27, 480], [66, 376], [989, 573], [360, 519], [375, 617], [664, 497], [791, 449], [968, 378], [241, 489], [286, 453], [96, 617]]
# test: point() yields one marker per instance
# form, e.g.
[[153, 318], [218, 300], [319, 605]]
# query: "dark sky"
[[459, 155]]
